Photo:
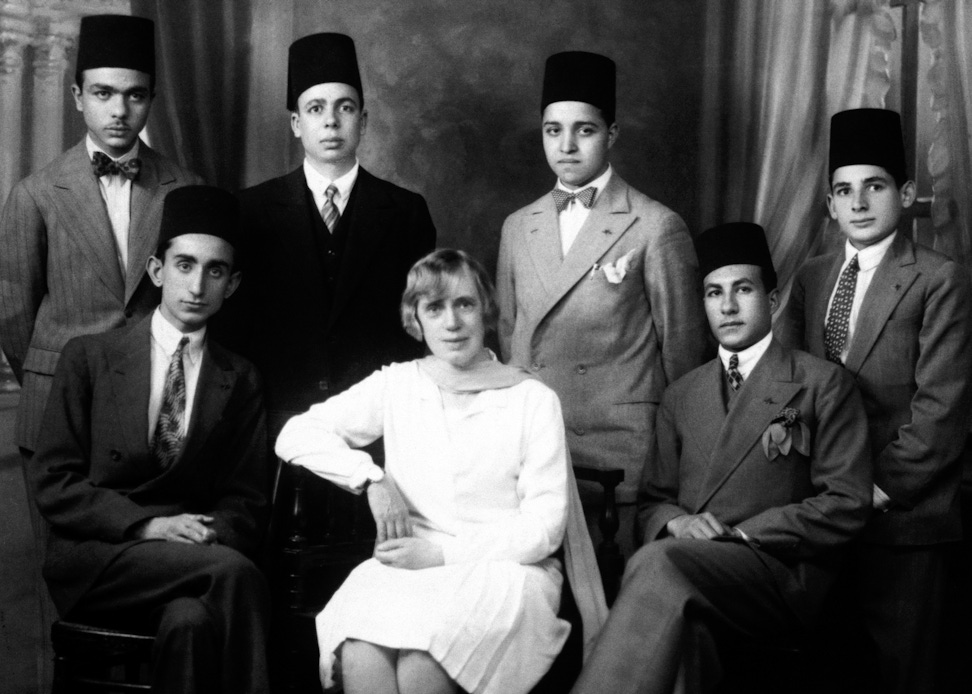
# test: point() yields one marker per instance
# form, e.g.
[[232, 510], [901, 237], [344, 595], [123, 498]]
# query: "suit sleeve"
[[59, 470], [658, 496], [671, 276], [423, 229], [790, 329], [933, 439], [840, 472], [506, 291], [23, 281], [241, 493]]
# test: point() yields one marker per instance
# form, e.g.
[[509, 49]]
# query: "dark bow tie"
[[104, 165], [562, 198]]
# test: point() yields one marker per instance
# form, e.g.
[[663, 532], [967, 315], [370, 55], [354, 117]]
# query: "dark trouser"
[[676, 597], [210, 603], [47, 613], [907, 616]]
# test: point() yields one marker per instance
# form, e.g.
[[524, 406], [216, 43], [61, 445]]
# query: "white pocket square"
[[615, 272]]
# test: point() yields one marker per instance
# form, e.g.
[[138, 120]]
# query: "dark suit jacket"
[[311, 340], [59, 274], [94, 475], [608, 349], [798, 509], [911, 355]]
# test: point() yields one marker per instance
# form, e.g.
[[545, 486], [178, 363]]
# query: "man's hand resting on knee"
[[700, 526], [186, 527]]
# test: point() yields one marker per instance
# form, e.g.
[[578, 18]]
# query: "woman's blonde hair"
[[428, 277]]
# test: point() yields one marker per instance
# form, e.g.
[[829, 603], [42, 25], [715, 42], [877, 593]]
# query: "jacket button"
[[579, 431], [322, 386], [128, 314], [536, 366], [115, 456], [582, 369]]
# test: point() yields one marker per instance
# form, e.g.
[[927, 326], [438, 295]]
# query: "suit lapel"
[[817, 318], [610, 217], [373, 213], [130, 368], [148, 193], [213, 389], [86, 218], [543, 241], [768, 390], [893, 277], [708, 410]]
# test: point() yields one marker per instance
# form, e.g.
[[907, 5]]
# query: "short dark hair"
[[427, 279]]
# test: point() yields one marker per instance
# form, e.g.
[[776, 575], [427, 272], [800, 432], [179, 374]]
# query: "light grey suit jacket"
[[59, 274], [607, 348], [911, 354]]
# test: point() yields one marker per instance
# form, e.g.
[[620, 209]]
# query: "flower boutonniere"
[[615, 272], [784, 432]]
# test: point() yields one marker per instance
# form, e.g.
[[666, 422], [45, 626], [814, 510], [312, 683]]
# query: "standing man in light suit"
[[898, 317], [597, 283], [334, 243]]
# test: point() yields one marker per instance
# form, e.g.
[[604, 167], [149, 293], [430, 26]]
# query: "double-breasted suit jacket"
[[607, 342], [59, 272], [797, 508], [318, 313], [95, 477], [911, 355]]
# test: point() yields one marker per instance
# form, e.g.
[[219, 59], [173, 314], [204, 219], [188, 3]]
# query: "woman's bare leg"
[[368, 669], [419, 673]]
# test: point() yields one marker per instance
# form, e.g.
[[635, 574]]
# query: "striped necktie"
[[169, 436], [838, 321], [329, 211]]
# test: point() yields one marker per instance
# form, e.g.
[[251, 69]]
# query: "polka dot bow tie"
[[562, 198], [104, 165]]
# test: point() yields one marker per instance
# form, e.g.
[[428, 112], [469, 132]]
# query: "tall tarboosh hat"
[[736, 243], [200, 210], [321, 58], [116, 40], [868, 136], [580, 76]]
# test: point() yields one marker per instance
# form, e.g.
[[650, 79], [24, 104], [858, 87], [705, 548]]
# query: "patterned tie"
[[167, 442], [732, 373], [103, 165], [562, 198], [329, 210], [835, 332]]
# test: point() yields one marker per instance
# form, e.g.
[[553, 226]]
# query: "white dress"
[[487, 483]]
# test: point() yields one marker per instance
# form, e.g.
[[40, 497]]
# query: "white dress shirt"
[[575, 214], [116, 191], [318, 185], [748, 358], [165, 340], [867, 259]]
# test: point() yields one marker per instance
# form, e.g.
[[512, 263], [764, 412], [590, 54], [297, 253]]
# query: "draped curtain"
[[775, 73]]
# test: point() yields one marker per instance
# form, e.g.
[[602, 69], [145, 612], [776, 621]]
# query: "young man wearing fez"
[[898, 317], [77, 234], [151, 467], [335, 244], [597, 283], [762, 475]]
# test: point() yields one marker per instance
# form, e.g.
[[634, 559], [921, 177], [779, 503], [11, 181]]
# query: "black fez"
[[736, 243], [868, 136], [321, 58], [200, 210], [116, 40], [580, 76]]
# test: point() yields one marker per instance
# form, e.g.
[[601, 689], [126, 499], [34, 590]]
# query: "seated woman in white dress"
[[473, 503]]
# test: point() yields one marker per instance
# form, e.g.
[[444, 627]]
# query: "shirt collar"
[[167, 337], [92, 148], [870, 257], [600, 183], [318, 184], [749, 357]]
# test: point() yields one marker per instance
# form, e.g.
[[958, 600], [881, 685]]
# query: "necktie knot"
[[732, 373], [562, 198], [330, 193], [103, 165], [329, 210]]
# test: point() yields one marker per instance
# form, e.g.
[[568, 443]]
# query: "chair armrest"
[[609, 558]]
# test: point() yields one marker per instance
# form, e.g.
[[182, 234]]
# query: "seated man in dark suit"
[[151, 469], [762, 475]]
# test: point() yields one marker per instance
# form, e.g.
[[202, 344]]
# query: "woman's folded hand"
[[409, 553], [389, 510]]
